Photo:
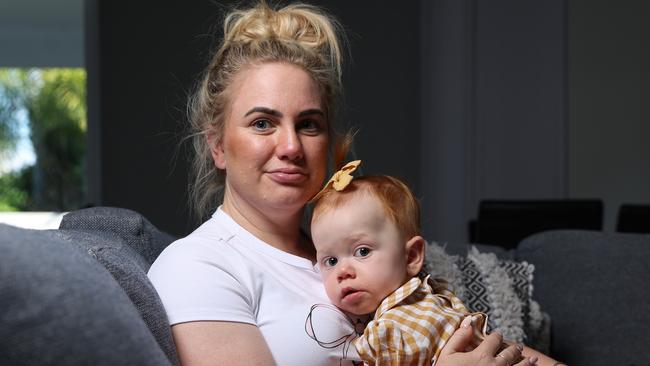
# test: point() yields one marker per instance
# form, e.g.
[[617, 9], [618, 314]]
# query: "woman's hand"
[[454, 354]]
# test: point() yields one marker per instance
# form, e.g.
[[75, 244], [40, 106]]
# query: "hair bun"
[[302, 24]]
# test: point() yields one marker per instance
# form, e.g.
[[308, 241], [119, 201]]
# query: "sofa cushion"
[[128, 268], [129, 225], [491, 288], [501, 288], [59, 307], [595, 287], [461, 249]]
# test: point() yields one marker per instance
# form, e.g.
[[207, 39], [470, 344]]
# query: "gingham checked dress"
[[412, 324]]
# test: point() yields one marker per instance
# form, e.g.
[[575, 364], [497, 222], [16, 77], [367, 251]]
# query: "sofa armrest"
[[126, 244], [58, 306]]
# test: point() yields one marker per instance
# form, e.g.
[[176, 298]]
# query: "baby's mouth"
[[348, 291]]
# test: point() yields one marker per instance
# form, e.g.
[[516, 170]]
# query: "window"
[[41, 68], [42, 140]]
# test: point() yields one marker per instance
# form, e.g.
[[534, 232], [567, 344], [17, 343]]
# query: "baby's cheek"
[[330, 287]]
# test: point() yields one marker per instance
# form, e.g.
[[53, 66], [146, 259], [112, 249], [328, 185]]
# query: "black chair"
[[633, 219], [507, 222]]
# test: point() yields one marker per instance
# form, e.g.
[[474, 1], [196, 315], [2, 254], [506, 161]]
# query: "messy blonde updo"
[[299, 34]]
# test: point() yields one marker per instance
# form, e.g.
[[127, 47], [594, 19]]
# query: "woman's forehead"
[[277, 86]]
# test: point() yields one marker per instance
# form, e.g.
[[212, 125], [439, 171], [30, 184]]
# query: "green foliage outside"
[[55, 103], [14, 190]]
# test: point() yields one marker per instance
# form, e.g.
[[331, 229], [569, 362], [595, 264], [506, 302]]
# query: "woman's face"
[[275, 139]]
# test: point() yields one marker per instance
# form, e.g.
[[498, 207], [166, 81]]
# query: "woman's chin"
[[295, 196], [287, 199]]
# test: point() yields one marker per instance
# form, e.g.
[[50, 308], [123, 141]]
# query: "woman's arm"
[[454, 354], [544, 360], [221, 343]]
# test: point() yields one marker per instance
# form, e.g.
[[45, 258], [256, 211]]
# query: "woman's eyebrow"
[[278, 114], [311, 111], [264, 110]]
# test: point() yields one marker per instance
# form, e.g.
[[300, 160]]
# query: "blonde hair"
[[299, 34], [394, 195]]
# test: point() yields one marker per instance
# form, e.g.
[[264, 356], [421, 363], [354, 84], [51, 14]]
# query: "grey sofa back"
[[595, 286], [57, 306], [136, 231]]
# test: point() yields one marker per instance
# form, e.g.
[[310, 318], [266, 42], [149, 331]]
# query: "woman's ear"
[[216, 150], [414, 255]]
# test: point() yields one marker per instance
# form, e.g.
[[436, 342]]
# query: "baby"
[[370, 254]]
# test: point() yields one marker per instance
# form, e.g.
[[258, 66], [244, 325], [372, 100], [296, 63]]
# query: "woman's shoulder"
[[199, 277], [206, 247], [212, 234], [204, 258]]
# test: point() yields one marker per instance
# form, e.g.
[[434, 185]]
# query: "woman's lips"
[[287, 175]]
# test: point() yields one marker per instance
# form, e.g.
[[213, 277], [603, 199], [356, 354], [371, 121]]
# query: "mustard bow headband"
[[340, 179]]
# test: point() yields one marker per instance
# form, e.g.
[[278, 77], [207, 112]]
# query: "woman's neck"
[[280, 229]]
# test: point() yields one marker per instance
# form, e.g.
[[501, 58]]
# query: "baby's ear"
[[414, 255]]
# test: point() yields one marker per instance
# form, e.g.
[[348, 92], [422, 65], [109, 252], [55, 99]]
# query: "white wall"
[[609, 102]]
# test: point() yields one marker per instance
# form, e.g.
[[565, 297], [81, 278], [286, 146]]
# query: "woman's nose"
[[289, 146]]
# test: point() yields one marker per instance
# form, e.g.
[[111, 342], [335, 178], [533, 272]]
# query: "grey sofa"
[[80, 296]]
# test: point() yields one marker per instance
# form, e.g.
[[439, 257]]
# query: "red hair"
[[395, 196]]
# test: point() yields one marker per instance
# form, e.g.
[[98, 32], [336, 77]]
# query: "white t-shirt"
[[222, 272]]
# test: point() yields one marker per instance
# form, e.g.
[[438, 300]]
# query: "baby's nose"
[[345, 271]]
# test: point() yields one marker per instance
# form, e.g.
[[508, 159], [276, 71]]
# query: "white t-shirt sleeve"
[[195, 284]]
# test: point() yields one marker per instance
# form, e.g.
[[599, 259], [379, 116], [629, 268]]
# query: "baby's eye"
[[330, 261], [261, 124], [362, 252]]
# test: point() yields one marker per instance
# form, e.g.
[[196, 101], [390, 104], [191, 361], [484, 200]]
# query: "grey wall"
[[148, 55], [609, 86], [493, 107], [382, 85], [464, 99]]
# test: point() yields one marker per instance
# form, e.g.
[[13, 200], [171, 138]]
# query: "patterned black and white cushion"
[[502, 289], [477, 289]]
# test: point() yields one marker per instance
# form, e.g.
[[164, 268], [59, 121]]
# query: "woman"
[[242, 288]]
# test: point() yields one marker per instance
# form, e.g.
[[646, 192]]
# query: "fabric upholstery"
[[501, 288], [129, 270], [461, 249], [129, 225], [58, 307], [63, 294], [594, 286]]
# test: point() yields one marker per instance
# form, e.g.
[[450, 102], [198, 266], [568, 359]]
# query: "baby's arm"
[[386, 342]]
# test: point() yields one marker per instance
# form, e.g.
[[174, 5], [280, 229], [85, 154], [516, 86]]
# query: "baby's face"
[[361, 254]]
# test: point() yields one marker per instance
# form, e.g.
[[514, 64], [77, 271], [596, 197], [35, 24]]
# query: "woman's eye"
[[362, 252], [262, 124], [330, 262], [309, 126]]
